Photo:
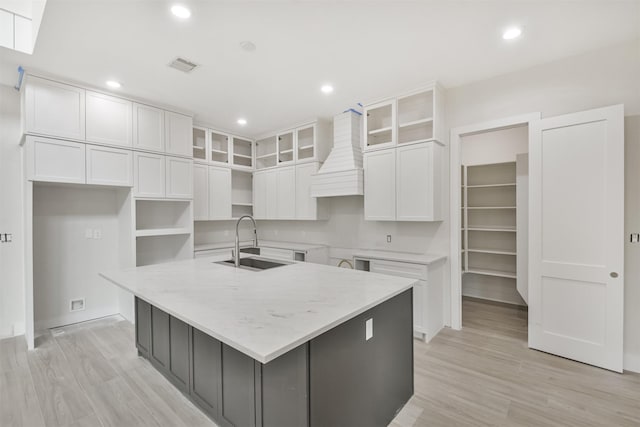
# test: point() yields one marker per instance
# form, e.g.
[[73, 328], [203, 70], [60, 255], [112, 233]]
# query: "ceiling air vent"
[[183, 65]]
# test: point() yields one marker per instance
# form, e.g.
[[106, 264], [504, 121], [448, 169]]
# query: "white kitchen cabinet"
[[179, 178], [54, 109], [109, 166], [418, 182], [219, 193], [178, 134], [271, 194], [53, 160], [380, 185], [200, 192], [260, 195], [428, 291], [108, 119], [148, 128], [149, 175], [277, 253], [307, 207], [286, 193]]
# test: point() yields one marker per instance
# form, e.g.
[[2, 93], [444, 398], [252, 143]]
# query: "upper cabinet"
[[411, 118], [148, 128], [222, 149], [54, 109], [178, 134], [307, 143], [108, 119]]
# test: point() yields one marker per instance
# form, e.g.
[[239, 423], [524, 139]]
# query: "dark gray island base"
[[336, 379]]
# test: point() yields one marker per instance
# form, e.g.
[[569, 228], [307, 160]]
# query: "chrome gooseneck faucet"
[[236, 254]]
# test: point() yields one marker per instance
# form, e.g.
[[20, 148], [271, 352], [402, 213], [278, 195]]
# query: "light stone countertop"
[[262, 314], [399, 256], [262, 243]]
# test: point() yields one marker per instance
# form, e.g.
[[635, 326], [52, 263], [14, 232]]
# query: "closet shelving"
[[489, 219]]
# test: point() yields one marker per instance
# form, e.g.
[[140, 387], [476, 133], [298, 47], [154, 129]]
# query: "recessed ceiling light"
[[180, 11], [326, 89], [113, 84], [512, 33], [242, 122]]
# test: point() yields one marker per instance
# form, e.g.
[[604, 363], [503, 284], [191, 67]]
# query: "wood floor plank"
[[117, 405], [90, 375], [62, 400], [19, 406]]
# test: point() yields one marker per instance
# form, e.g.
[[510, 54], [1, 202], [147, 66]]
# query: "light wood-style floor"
[[90, 375]]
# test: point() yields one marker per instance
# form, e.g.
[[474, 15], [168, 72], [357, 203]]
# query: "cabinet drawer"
[[109, 166], [276, 253], [401, 269], [55, 161]]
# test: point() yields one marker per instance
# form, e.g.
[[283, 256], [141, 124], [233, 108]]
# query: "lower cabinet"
[[164, 340], [231, 387]]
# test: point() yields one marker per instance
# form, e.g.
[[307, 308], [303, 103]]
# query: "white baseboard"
[[632, 362], [77, 317]]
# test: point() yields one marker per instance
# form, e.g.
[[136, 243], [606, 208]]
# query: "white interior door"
[[576, 236]]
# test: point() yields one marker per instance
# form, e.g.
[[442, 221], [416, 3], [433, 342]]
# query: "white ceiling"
[[366, 49]]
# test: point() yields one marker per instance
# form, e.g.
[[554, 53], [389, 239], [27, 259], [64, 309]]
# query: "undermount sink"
[[254, 264]]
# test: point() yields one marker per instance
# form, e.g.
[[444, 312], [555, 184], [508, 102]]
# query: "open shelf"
[[380, 122], [491, 251], [490, 207], [162, 232], [241, 188], [495, 273], [499, 229], [490, 174], [162, 217], [510, 184]]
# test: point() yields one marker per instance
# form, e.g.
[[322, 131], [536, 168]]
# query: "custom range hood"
[[342, 173]]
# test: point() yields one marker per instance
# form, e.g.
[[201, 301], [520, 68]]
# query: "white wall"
[[345, 228], [11, 215], [495, 146], [66, 262]]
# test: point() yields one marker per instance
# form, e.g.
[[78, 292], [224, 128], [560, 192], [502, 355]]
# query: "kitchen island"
[[298, 345]]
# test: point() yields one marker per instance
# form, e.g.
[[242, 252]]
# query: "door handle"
[[613, 274]]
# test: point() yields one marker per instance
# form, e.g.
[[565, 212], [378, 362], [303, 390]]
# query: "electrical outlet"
[[88, 233], [97, 233], [388, 238], [635, 238], [368, 334], [76, 304]]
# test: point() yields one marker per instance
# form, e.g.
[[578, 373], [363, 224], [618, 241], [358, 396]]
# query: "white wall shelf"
[[162, 232]]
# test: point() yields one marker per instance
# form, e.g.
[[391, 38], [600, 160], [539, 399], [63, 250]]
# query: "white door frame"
[[455, 200]]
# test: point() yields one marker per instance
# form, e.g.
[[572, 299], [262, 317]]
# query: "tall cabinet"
[[79, 135], [403, 155]]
